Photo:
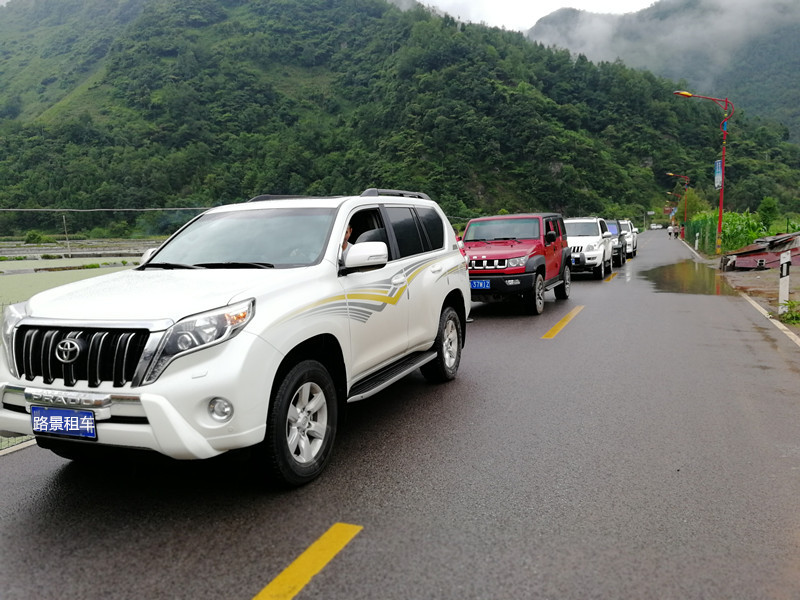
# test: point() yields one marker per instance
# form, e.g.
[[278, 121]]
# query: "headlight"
[[589, 248], [12, 315], [198, 332], [518, 261]]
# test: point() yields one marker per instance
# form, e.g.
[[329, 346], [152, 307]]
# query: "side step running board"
[[388, 375]]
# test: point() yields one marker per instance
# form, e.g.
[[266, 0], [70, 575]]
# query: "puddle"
[[689, 277]]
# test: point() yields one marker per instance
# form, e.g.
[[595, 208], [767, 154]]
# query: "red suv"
[[518, 256]]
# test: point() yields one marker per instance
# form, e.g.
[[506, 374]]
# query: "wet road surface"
[[648, 450]]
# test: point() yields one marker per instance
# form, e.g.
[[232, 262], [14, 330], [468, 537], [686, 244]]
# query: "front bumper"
[[586, 261], [170, 415], [498, 286]]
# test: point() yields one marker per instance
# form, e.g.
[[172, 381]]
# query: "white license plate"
[[64, 422], [479, 284]]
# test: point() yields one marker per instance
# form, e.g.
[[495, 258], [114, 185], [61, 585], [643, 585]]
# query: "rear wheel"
[[301, 425], [562, 289], [449, 340]]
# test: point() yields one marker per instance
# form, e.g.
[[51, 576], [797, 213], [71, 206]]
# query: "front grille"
[[104, 355], [576, 249], [478, 265]]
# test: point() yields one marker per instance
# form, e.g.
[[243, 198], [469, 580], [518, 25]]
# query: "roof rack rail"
[[402, 193], [264, 197]]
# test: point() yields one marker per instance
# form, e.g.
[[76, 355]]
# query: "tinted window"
[[433, 226], [405, 229], [612, 227]]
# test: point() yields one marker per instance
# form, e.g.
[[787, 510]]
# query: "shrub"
[[37, 237]]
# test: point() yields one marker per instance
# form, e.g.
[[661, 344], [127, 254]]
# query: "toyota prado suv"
[[590, 245], [518, 256], [250, 326]]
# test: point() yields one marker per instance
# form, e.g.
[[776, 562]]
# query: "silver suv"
[[590, 245]]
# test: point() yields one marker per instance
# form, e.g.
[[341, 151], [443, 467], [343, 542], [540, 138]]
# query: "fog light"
[[220, 410], [512, 281]]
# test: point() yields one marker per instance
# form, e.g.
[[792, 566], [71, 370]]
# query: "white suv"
[[248, 327], [590, 244], [631, 237]]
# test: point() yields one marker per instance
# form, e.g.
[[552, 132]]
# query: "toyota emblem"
[[68, 351]]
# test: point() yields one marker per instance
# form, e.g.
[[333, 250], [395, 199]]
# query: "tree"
[[768, 211]]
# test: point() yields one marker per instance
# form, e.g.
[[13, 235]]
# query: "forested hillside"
[[175, 103]]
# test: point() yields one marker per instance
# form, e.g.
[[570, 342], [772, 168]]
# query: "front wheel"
[[600, 270], [535, 298], [301, 425], [449, 340]]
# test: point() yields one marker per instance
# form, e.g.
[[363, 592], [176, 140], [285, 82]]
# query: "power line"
[[59, 210]]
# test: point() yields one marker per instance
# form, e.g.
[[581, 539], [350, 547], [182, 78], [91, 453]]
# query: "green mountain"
[[140, 104], [746, 51]]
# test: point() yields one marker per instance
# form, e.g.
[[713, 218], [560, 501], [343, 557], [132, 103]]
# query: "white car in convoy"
[[590, 244], [631, 237], [250, 326]]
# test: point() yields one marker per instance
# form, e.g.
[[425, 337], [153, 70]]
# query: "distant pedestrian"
[[669, 231]]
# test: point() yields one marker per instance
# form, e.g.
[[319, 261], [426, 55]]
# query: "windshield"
[[612, 227], [279, 237], [626, 227], [581, 228], [502, 229]]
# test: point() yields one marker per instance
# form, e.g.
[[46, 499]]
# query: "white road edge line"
[[790, 334]]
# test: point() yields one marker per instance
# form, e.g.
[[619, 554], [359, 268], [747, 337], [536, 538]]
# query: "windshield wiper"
[[165, 265], [504, 239], [237, 265]]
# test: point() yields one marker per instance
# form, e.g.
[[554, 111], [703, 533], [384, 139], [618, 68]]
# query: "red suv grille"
[[478, 265]]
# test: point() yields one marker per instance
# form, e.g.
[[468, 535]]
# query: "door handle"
[[437, 268], [399, 279]]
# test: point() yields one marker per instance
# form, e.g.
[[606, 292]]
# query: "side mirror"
[[147, 254], [366, 254], [635, 230], [550, 237], [606, 235]]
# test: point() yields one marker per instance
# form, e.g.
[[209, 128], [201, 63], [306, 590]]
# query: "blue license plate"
[[63, 421], [479, 284]]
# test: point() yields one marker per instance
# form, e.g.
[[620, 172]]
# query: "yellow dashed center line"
[[610, 277], [562, 323], [297, 575]]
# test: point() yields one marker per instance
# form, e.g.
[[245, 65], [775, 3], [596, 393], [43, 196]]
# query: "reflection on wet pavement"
[[689, 277]]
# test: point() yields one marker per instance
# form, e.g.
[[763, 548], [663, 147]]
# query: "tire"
[[448, 343], [301, 425], [600, 270], [534, 300], [562, 289]]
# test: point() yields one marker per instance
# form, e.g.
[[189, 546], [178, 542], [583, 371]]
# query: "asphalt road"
[[648, 450]]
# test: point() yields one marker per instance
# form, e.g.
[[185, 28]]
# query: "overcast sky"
[[521, 15]]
